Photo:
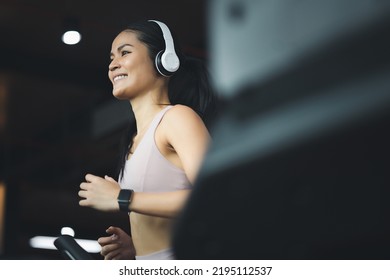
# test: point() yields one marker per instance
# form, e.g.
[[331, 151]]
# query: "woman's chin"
[[119, 95]]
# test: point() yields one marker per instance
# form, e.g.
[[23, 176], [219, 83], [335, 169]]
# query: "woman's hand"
[[117, 246], [99, 193]]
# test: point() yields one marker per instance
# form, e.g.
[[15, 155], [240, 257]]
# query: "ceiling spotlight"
[[71, 35]]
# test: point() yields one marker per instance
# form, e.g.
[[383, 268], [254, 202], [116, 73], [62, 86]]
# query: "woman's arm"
[[185, 132], [166, 204], [102, 194]]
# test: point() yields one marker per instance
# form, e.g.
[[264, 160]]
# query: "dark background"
[[58, 119]]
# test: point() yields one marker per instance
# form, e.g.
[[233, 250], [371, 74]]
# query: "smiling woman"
[[128, 73], [172, 105]]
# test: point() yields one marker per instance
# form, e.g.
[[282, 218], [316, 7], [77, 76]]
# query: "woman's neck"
[[145, 107]]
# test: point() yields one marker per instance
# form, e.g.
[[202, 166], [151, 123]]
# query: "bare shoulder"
[[180, 115], [183, 122], [181, 110]]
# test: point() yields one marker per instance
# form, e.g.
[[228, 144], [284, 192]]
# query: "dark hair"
[[190, 85]]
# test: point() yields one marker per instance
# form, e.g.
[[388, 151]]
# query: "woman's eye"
[[124, 52]]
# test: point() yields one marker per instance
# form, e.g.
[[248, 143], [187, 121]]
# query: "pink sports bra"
[[148, 170]]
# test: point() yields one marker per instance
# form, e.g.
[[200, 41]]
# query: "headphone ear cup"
[[160, 67], [168, 61]]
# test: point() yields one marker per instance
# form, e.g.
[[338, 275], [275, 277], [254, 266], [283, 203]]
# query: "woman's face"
[[131, 70]]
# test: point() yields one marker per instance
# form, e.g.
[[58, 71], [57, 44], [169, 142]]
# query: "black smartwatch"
[[124, 199]]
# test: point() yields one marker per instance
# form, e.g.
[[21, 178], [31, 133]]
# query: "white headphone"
[[167, 61]]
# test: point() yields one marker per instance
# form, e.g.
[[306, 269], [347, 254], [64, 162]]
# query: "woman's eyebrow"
[[121, 47]]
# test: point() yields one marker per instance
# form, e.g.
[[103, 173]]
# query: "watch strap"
[[124, 199]]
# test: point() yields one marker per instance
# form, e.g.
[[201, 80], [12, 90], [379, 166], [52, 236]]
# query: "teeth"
[[119, 77]]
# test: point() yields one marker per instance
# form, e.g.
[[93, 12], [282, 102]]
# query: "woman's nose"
[[113, 65]]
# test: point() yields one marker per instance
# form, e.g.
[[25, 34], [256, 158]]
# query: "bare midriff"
[[150, 234]]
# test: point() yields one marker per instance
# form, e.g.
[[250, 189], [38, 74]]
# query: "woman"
[[172, 102]]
